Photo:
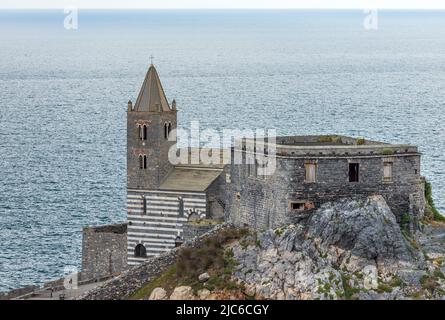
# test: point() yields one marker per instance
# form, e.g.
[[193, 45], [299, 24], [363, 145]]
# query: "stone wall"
[[155, 148], [216, 200], [264, 202], [136, 277], [192, 229], [104, 251]]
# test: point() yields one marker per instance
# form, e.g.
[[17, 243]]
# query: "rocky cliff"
[[350, 249]]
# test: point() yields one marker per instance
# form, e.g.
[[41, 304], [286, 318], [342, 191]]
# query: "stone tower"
[[150, 122]]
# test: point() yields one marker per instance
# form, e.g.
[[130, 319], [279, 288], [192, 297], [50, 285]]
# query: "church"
[[163, 197]]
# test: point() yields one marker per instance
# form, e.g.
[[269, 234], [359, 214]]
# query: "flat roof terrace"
[[328, 146]]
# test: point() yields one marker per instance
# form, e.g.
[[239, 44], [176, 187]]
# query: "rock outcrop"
[[350, 249]]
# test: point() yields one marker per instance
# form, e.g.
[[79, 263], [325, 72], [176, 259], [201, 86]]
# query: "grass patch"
[[168, 280], [329, 139], [211, 257], [349, 291], [387, 151]]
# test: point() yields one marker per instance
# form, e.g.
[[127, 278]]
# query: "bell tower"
[[150, 122]]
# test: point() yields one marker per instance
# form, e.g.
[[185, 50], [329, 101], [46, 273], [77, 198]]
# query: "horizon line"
[[232, 8]]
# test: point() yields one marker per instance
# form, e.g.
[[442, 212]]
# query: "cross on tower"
[[151, 59]]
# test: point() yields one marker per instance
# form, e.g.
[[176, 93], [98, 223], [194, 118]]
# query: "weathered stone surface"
[[351, 248], [135, 278], [266, 203], [158, 294], [104, 251], [182, 293]]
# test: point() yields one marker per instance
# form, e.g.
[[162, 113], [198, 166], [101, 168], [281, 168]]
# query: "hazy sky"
[[170, 4]]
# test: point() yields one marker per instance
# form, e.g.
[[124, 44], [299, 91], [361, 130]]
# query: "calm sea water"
[[64, 94]]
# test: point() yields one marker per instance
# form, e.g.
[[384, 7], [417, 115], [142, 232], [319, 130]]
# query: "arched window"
[[140, 251], [145, 162], [141, 162], [144, 132], [140, 133], [169, 130], [165, 131]]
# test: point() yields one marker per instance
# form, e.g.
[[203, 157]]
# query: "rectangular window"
[[387, 171], [297, 205], [311, 171], [353, 172]]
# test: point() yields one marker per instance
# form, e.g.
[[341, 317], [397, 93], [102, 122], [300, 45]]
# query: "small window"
[[181, 206], [169, 129], [140, 132], [144, 205], [297, 206], [353, 172], [387, 171], [145, 162], [311, 170], [141, 162], [144, 132], [165, 131], [140, 251]]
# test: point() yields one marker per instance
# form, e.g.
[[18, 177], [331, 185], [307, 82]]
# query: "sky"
[[224, 4]]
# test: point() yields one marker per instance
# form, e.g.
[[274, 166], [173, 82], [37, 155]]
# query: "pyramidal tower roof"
[[152, 97]]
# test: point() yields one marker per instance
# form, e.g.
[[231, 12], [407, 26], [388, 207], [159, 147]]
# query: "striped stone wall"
[[158, 223]]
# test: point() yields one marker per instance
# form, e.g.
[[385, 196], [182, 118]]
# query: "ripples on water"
[[64, 95]]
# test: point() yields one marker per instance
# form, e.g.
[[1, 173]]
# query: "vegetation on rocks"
[[431, 212], [213, 257], [349, 249]]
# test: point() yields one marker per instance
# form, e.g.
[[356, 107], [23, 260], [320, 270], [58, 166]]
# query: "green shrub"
[[387, 151], [360, 141], [430, 209]]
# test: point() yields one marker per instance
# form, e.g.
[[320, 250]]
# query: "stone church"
[[310, 170]]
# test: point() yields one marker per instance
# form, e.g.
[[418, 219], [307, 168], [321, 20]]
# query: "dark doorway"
[[140, 251], [178, 241], [353, 172]]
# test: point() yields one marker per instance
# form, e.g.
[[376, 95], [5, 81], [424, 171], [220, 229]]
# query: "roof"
[[190, 179], [151, 96]]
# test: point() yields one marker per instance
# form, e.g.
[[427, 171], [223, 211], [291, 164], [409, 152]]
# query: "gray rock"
[[354, 240], [203, 277]]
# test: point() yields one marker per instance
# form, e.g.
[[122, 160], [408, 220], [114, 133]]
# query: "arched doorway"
[[140, 251]]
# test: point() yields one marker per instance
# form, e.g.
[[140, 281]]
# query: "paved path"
[[58, 295]]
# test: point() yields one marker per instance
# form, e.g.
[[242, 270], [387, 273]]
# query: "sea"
[[65, 84]]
